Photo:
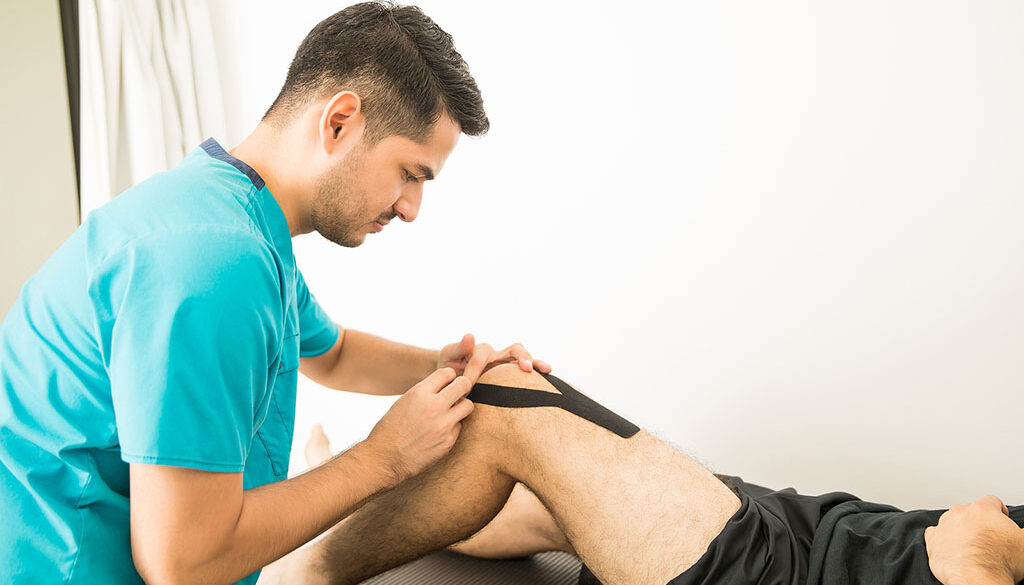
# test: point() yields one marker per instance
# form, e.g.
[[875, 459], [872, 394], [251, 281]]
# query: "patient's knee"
[[512, 375], [509, 387]]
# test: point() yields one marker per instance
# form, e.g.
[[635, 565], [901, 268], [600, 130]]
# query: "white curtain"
[[150, 90]]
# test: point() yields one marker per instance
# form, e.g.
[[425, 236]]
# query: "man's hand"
[[976, 544], [471, 359], [423, 424]]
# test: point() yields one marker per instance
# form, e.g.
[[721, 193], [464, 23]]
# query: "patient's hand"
[[976, 544]]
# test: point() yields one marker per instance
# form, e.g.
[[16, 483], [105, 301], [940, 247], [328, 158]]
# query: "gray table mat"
[[449, 568]]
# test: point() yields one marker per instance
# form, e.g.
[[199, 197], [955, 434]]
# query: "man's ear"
[[341, 122]]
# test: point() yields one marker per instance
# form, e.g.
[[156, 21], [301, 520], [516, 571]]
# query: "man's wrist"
[[385, 472], [422, 363]]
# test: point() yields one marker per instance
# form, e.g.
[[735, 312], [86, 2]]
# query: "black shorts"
[[785, 538]]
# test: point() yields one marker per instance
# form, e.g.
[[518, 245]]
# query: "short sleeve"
[[317, 332], [197, 319]]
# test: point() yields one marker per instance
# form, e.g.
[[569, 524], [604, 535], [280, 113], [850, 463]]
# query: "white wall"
[[786, 236], [38, 197]]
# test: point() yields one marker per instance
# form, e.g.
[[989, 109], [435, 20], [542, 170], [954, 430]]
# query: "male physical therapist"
[[148, 370]]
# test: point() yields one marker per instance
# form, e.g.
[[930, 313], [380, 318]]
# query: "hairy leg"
[[523, 527], [636, 510]]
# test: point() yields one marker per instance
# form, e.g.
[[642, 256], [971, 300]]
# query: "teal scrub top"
[[166, 330]]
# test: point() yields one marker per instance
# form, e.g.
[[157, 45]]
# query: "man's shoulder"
[[177, 222], [190, 228], [210, 249], [188, 260], [212, 271], [191, 196]]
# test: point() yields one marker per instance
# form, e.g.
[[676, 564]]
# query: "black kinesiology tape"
[[569, 400]]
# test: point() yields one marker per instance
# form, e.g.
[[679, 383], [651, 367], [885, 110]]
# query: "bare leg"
[[636, 510], [523, 527]]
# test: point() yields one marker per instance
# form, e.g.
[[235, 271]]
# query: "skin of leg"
[[522, 528], [636, 510]]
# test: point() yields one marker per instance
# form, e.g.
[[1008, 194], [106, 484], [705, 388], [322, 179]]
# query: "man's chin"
[[346, 240], [352, 242]]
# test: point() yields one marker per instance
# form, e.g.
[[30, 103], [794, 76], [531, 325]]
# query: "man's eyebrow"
[[425, 172]]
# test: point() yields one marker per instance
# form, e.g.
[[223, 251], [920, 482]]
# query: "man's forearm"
[[277, 518], [374, 365]]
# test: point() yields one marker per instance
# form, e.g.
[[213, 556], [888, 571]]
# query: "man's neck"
[[266, 151]]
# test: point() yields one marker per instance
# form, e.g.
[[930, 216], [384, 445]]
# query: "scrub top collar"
[[276, 221]]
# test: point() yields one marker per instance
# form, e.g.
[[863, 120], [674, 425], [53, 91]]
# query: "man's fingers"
[[518, 353], [467, 344], [513, 353], [483, 355], [438, 379], [475, 367], [457, 390], [525, 364], [477, 362], [458, 352], [462, 409]]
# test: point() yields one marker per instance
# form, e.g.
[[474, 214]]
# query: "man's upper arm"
[[180, 516], [320, 338], [319, 368], [195, 322], [317, 332]]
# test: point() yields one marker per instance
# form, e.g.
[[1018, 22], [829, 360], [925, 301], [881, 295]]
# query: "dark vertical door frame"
[[69, 25]]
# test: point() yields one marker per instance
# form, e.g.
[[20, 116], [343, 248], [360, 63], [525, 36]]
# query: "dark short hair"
[[404, 68]]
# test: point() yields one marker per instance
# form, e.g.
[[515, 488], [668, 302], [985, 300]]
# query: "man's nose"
[[408, 205]]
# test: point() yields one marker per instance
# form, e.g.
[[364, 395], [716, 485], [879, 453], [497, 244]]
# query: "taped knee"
[[570, 400]]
